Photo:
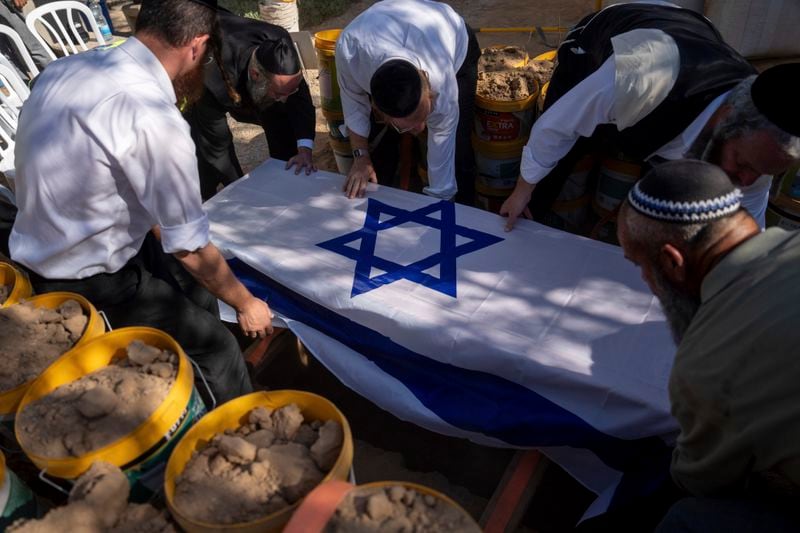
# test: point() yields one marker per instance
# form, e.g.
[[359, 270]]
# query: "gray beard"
[[258, 94], [679, 308]]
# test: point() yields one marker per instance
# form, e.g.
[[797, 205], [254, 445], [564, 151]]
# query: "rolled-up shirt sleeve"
[[161, 167], [576, 114]]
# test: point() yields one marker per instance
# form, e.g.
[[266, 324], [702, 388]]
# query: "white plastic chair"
[[16, 40], [12, 96], [68, 39]]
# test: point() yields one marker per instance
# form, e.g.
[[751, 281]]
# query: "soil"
[[5, 290], [258, 469], [99, 503], [396, 509], [507, 85], [101, 407], [502, 58], [33, 337]]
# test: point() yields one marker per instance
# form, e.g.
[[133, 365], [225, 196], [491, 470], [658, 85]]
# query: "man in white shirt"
[[655, 82], [103, 156], [409, 75]]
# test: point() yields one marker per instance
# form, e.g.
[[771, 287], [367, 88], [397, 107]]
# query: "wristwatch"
[[359, 152]]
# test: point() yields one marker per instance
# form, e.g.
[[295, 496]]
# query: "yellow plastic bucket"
[[16, 499], [498, 162], [542, 96], [325, 44], [615, 179], [490, 199], [10, 399], [20, 286], [232, 415], [143, 451], [572, 209], [342, 153], [314, 513], [336, 126]]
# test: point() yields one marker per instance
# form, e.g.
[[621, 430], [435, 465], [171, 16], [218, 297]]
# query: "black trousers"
[[216, 156], [385, 154], [154, 290]]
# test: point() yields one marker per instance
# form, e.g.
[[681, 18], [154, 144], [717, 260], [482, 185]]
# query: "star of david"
[[365, 257]]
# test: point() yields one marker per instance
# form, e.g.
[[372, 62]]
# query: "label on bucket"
[[498, 169], [146, 473], [502, 126], [329, 86], [490, 182]]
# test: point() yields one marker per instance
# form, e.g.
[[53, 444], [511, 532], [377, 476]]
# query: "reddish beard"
[[189, 86]]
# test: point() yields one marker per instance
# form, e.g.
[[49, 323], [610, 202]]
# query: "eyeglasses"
[[401, 130]]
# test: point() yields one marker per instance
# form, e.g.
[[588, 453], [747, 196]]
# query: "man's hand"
[[361, 173], [255, 318], [20, 3], [303, 160], [517, 204]]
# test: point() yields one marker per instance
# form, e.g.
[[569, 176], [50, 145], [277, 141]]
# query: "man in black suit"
[[261, 82]]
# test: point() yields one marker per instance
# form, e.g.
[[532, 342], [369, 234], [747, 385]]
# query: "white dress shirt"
[[102, 155], [428, 34], [625, 89]]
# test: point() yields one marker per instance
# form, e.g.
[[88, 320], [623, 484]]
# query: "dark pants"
[[216, 155], [710, 515], [384, 153], [154, 290], [11, 16]]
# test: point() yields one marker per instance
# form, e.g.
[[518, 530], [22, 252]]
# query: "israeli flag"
[[529, 339]]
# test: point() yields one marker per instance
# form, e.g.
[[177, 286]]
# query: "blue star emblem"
[[365, 258]]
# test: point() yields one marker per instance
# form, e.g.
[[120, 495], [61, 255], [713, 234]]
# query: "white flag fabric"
[[530, 338]]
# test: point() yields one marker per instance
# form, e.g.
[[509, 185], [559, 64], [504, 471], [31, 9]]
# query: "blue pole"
[[107, 15]]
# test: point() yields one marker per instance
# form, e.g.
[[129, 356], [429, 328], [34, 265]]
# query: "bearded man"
[[260, 64], [730, 295], [103, 156]]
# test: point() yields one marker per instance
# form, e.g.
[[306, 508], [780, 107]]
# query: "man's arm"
[[303, 118], [209, 268], [576, 114]]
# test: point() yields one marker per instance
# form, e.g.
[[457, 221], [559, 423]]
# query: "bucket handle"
[[104, 316], [45, 479], [205, 383]]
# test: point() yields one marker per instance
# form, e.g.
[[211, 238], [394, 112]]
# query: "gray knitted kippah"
[[686, 192]]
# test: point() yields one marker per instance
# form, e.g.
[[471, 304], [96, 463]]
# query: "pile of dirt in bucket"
[[33, 337], [396, 508], [542, 69], [507, 85], [101, 407], [258, 469], [5, 290], [98, 502], [501, 58]]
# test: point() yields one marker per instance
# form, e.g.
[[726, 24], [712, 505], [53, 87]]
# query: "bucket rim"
[[326, 39]]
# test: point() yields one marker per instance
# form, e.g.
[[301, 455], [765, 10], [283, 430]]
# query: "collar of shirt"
[[735, 263], [677, 147], [142, 55]]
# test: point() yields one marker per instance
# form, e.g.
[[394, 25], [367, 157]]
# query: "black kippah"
[[278, 57], [774, 93], [396, 88], [208, 3], [685, 191]]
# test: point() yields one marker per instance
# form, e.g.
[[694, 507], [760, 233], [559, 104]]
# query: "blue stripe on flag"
[[471, 400]]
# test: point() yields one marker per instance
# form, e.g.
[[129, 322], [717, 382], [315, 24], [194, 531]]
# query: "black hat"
[[279, 56], [396, 88], [774, 93], [208, 3], [685, 191]]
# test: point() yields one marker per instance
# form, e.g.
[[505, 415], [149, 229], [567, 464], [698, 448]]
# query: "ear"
[[672, 263], [198, 45]]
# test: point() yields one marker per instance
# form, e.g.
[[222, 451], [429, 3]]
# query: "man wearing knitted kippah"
[[260, 63], [730, 294], [411, 65], [657, 82]]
